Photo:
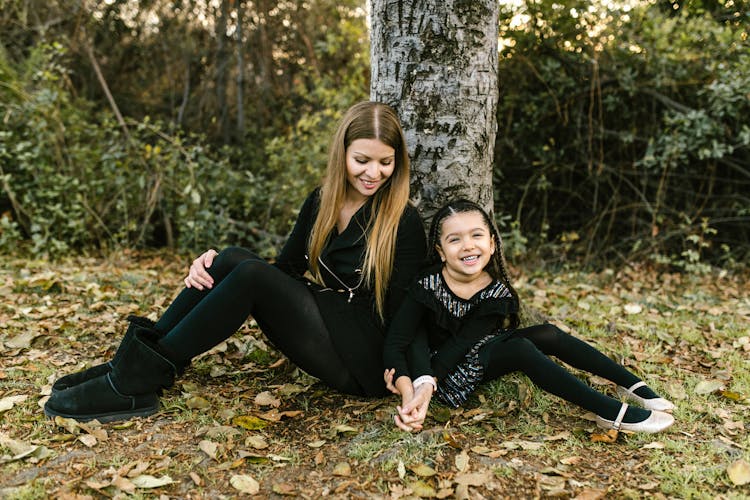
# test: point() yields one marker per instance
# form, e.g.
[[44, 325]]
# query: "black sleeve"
[[401, 335], [293, 257], [411, 250], [418, 355]]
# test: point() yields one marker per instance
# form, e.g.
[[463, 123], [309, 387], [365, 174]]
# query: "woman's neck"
[[466, 288], [352, 203]]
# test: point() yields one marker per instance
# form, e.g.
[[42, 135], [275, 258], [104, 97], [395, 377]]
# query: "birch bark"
[[435, 62]]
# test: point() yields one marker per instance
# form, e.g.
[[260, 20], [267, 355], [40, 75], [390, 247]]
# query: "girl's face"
[[369, 164], [466, 245]]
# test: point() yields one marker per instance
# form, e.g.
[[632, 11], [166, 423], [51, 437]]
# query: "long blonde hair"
[[365, 120]]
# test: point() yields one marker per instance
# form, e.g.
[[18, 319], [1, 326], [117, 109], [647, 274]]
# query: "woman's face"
[[369, 164]]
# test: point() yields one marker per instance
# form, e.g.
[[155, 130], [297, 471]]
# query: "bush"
[[626, 135]]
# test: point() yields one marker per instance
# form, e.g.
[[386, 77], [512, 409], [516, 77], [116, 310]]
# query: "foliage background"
[[623, 130]]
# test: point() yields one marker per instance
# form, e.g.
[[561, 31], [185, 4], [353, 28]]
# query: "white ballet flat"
[[656, 422], [659, 404]]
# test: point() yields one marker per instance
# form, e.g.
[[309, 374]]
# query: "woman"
[[325, 303]]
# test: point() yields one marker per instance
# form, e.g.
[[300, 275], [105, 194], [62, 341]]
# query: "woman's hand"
[[197, 276], [388, 377]]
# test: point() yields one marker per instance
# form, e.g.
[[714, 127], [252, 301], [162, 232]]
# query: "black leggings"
[[528, 350], [244, 285]]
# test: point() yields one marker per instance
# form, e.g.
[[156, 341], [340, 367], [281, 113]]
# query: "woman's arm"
[[292, 259]]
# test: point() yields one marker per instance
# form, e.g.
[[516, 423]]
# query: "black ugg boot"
[[129, 390], [76, 378]]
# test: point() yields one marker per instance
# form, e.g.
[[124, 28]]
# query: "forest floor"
[[243, 421]]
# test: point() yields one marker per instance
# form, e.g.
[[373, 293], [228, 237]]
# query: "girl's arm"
[[410, 253], [401, 334]]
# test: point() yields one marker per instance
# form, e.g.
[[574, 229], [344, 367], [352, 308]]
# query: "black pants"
[[528, 349], [284, 308]]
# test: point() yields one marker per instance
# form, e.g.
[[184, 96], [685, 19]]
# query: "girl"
[[466, 302], [356, 237]]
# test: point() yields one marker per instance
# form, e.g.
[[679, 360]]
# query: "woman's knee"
[[228, 259]]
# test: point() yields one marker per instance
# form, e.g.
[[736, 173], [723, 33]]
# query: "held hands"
[[197, 276], [414, 402]]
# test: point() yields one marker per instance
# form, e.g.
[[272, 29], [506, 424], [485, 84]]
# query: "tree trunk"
[[435, 62], [240, 77], [222, 65]]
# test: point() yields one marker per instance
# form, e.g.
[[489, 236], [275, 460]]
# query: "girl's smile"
[[465, 246]]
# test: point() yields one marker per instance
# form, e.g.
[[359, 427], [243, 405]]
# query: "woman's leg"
[[283, 307], [223, 264], [520, 354], [554, 342]]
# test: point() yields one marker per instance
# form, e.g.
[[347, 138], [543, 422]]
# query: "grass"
[[689, 331]]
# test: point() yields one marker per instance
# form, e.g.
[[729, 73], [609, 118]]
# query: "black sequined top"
[[437, 328]]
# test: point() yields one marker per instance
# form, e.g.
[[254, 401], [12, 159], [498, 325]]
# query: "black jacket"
[[426, 339], [355, 327]]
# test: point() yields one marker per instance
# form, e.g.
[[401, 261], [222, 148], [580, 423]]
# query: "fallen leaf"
[[401, 469], [708, 386], [8, 402], [22, 341], [344, 429], [256, 442], [730, 395], [342, 469], [610, 436], [444, 493], [590, 494], [316, 444], [472, 479], [196, 478], [123, 484], [276, 416], [285, 489], [571, 460], [266, 398], [451, 440], [16, 447], [739, 472], [149, 481], [423, 470], [422, 489], [462, 461], [633, 308], [648, 486], [88, 439], [209, 448], [249, 422], [245, 484], [291, 389], [197, 403], [654, 445], [487, 452]]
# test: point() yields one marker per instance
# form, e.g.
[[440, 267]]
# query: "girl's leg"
[[554, 342], [283, 307], [520, 354]]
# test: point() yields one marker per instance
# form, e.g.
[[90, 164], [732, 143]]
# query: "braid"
[[496, 267]]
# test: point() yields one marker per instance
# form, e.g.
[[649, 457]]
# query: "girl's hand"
[[388, 377], [413, 413], [197, 276]]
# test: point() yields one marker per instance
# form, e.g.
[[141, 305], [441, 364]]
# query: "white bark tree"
[[435, 62]]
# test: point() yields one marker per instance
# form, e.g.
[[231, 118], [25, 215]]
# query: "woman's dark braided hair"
[[496, 266]]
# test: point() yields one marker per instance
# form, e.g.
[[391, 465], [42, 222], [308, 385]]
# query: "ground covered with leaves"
[[244, 421]]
